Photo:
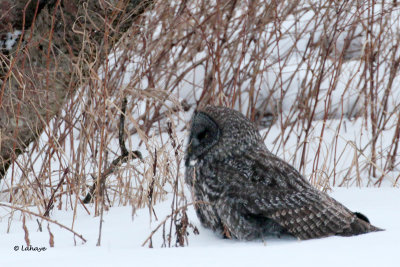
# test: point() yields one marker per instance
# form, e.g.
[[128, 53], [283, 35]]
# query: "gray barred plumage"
[[243, 191]]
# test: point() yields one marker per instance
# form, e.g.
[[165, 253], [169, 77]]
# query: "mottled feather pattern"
[[243, 191]]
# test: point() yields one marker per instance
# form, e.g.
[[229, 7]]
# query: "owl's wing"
[[277, 191]]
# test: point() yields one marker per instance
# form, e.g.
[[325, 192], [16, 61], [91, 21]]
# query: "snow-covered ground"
[[122, 238]]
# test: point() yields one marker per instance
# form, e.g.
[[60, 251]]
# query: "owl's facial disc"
[[204, 134]]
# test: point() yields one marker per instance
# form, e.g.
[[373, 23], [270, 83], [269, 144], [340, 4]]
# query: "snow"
[[10, 40], [122, 238]]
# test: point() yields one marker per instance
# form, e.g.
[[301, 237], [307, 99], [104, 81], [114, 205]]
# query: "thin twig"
[[50, 204], [169, 216], [119, 160], [44, 218]]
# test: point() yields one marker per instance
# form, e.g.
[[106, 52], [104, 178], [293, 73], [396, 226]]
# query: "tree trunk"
[[62, 43]]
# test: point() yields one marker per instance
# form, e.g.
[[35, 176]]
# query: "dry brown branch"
[[51, 238], [44, 218], [39, 76], [162, 223], [123, 158], [50, 203], [26, 237]]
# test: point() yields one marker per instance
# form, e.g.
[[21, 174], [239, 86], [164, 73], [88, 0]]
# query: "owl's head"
[[219, 132]]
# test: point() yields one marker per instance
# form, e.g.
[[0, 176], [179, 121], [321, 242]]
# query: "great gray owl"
[[243, 191]]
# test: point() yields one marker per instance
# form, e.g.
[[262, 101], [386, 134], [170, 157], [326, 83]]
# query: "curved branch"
[[44, 218]]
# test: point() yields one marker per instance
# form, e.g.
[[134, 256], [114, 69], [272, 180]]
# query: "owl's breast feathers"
[[205, 191]]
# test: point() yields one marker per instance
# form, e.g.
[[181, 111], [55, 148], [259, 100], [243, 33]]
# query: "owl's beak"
[[188, 160], [189, 154], [189, 149]]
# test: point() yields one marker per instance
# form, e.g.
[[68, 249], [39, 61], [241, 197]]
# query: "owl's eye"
[[202, 135]]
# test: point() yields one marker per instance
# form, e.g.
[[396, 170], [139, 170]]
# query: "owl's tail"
[[360, 225]]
